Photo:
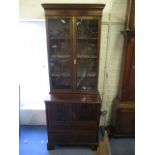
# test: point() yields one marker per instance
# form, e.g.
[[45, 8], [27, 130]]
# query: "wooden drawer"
[[76, 137], [57, 126]]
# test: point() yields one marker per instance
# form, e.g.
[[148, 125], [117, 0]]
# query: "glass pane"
[[86, 74], [59, 28], [86, 48], [87, 28], [60, 53], [87, 31]]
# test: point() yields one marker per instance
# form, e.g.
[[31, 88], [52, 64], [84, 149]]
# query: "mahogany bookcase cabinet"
[[73, 43]]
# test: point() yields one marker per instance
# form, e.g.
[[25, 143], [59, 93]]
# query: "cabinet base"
[[50, 146], [123, 119], [92, 146], [114, 134]]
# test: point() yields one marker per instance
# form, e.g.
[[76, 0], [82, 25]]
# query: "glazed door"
[[60, 52], [73, 53], [86, 53]]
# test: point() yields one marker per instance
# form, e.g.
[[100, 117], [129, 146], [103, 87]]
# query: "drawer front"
[[92, 126], [79, 137]]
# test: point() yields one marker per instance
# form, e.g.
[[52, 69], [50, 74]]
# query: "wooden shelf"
[[61, 38], [87, 75], [86, 57], [60, 56], [60, 75], [86, 38]]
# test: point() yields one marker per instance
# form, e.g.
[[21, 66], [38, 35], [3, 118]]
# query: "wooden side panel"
[[123, 118], [128, 75], [131, 88], [125, 122]]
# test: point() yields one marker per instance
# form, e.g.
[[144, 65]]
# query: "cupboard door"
[[58, 113], [59, 116], [60, 52], [125, 122], [86, 112], [86, 53]]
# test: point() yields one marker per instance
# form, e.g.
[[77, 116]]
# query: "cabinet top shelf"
[[72, 6], [72, 9], [73, 98]]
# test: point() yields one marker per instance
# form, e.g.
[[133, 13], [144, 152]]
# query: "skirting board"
[[32, 115]]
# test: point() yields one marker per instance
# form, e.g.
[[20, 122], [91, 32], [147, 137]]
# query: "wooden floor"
[[104, 146]]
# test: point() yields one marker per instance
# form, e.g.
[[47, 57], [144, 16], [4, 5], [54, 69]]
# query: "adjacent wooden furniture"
[[123, 108], [73, 43]]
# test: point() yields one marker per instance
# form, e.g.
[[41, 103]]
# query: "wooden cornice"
[[47, 6]]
